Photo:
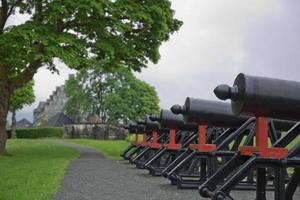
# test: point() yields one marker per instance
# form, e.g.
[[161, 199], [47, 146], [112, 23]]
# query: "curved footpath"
[[93, 177]]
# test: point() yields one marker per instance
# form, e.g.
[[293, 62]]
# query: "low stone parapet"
[[94, 131]]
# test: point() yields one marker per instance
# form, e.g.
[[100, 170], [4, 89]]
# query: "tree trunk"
[[4, 99], [3, 115], [13, 125]]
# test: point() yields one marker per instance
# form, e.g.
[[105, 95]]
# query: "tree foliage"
[[81, 33], [113, 96], [21, 97], [78, 104]]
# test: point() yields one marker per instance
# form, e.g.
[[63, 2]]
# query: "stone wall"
[[94, 131]]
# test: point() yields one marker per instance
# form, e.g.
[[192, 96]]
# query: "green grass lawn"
[[34, 170], [109, 148]]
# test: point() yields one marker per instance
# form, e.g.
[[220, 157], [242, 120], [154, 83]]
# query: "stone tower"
[[53, 106]]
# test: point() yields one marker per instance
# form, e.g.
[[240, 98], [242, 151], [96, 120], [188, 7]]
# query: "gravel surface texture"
[[93, 177]]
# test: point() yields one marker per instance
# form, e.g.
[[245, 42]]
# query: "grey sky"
[[218, 40]]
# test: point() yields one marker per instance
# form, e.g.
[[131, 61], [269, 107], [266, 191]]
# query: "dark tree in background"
[[114, 97], [20, 97], [81, 33]]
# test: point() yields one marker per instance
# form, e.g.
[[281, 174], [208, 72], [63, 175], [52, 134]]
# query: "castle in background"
[[51, 113]]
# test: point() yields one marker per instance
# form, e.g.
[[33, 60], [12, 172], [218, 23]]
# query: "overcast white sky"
[[218, 40]]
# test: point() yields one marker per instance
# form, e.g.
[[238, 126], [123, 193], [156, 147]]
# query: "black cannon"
[[200, 111], [220, 114], [205, 113], [263, 98]]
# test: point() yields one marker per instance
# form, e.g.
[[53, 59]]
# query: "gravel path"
[[92, 176]]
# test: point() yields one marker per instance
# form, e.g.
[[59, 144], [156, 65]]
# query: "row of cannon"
[[216, 147]]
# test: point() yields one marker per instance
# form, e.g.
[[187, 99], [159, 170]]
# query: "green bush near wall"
[[40, 132]]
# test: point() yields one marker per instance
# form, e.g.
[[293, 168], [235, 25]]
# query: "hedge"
[[39, 132]]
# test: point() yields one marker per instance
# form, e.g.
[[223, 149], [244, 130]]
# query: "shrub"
[[39, 132]]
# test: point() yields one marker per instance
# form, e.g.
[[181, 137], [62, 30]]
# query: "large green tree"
[[116, 96], [111, 33], [19, 98], [78, 105]]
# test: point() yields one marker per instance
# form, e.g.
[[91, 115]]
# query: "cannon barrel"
[[262, 96], [218, 114], [169, 120], [134, 126], [212, 113], [140, 122], [139, 126], [131, 126], [154, 118], [151, 125], [126, 126]]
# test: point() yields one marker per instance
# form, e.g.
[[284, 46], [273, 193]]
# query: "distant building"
[[24, 123], [59, 120], [51, 112]]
